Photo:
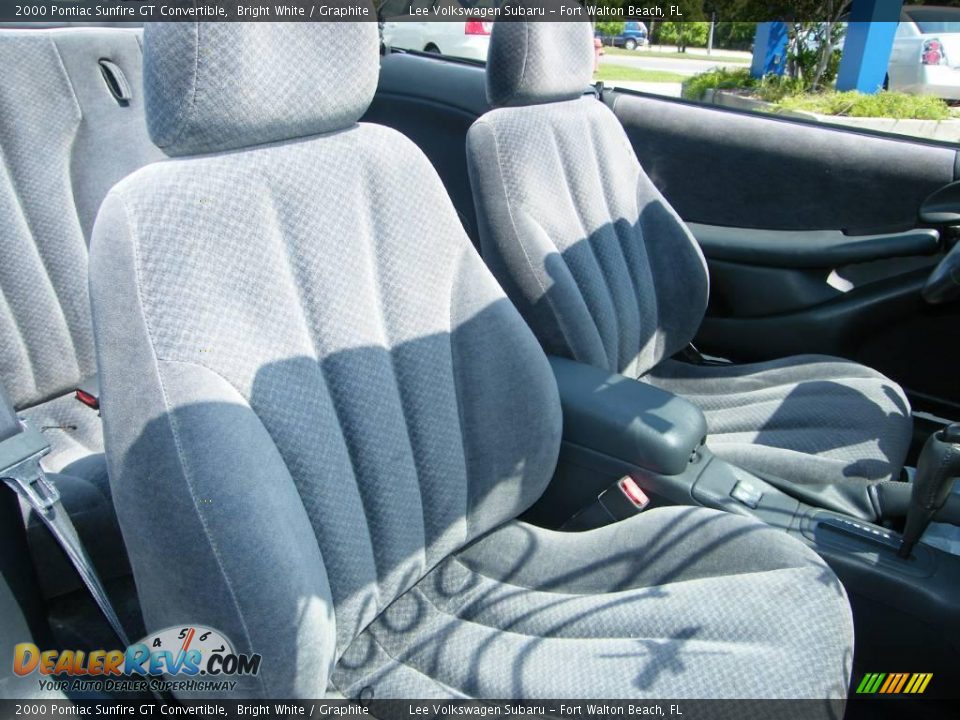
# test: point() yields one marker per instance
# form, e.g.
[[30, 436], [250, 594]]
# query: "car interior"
[[428, 378]]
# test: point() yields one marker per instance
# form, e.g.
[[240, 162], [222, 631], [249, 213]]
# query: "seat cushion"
[[806, 419], [676, 602]]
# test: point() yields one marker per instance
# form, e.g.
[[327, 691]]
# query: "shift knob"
[[938, 467]]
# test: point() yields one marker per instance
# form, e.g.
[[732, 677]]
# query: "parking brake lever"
[[938, 467]]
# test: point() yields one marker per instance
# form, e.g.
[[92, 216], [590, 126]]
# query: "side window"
[[710, 63]]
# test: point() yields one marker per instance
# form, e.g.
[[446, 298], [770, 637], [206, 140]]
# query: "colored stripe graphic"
[[903, 680], [870, 683], [892, 679], [894, 683]]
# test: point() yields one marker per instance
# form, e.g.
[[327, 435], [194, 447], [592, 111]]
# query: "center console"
[[906, 600]]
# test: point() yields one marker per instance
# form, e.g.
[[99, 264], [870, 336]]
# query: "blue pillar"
[[866, 50], [769, 49]]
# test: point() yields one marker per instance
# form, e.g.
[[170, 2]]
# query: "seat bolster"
[[199, 486], [514, 249]]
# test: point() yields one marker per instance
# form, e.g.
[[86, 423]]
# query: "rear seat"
[[71, 126]]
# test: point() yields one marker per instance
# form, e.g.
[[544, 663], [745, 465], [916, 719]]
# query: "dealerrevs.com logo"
[[192, 658]]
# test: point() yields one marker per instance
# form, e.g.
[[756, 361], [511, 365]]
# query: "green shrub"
[[774, 88], [807, 58], [900, 106], [718, 78], [792, 94], [770, 88]]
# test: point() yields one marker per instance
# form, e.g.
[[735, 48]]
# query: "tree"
[[689, 31], [812, 49], [735, 35], [684, 34], [610, 27]]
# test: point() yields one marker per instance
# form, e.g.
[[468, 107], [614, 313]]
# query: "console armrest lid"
[[627, 419]]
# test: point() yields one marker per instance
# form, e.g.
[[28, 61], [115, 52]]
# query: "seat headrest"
[[538, 62], [210, 87]]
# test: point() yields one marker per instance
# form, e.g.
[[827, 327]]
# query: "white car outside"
[[469, 39], [925, 59]]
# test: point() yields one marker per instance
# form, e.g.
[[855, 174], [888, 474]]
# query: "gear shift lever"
[[938, 467]]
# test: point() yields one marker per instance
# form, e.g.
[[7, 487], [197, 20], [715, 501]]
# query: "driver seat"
[[605, 272]]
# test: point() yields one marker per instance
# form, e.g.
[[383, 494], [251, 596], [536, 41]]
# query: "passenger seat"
[[605, 272], [71, 125]]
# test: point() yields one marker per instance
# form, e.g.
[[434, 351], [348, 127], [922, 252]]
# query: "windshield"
[[935, 19]]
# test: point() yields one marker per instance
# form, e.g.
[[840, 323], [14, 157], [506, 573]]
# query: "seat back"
[[65, 139], [598, 263], [312, 387]]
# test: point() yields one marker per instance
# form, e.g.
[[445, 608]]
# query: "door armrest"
[[809, 248]]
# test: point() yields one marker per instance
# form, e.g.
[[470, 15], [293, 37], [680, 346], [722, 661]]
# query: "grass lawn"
[[676, 56], [608, 73]]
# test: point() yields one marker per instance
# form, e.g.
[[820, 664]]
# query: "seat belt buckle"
[[39, 491], [20, 468], [621, 500], [632, 492], [88, 392]]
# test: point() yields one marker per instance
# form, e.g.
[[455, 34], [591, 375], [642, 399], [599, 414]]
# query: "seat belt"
[[21, 447]]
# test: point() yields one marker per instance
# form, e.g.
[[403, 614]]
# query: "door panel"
[[811, 237]]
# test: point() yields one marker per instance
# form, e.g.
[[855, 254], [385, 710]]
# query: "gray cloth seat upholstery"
[[606, 273], [643, 607], [64, 141], [773, 417], [337, 407]]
